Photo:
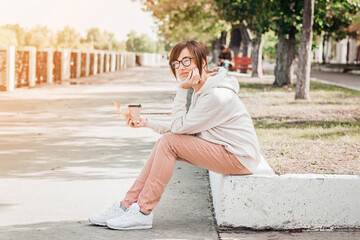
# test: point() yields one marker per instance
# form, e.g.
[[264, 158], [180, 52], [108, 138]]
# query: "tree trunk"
[[245, 39], [285, 55], [245, 42], [323, 51], [235, 40], [347, 50], [256, 54], [305, 54]]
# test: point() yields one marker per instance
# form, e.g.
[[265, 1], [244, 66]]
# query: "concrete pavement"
[[327, 76], [64, 157], [346, 80]]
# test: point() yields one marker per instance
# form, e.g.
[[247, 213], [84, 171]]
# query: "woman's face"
[[183, 71]]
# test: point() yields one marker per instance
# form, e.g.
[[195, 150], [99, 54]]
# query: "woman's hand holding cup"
[[131, 122]]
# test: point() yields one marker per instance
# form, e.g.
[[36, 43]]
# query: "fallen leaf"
[[117, 105]]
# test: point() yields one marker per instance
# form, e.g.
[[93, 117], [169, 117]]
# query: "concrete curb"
[[290, 201]]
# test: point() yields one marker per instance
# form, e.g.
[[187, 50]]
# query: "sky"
[[116, 16]]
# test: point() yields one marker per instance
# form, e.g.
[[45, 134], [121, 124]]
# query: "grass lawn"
[[319, 136]]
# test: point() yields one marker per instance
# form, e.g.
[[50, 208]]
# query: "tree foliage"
[[332, 17], [139, 43], [255, 14], [7, 37], [286, 16], [269, 48], [102, 40], [68, 38], [184, 20], [40, 37], [19, 33]]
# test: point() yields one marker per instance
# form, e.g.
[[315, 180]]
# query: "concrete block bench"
[[290, 201]]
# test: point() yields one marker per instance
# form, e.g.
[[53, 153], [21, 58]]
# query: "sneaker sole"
[[130, 228], [98, 223]]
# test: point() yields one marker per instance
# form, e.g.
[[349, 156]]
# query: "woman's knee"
[[169, 138]]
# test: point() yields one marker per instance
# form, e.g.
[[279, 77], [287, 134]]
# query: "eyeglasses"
[[186, 61]]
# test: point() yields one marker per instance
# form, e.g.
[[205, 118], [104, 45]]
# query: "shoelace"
[[129, 213]]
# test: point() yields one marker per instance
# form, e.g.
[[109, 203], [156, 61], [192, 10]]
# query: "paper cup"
[[135, 111]]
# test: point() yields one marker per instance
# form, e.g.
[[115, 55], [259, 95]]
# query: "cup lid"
[[134, 105]]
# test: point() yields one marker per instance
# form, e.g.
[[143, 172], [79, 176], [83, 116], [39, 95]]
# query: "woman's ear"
[[204, 64]]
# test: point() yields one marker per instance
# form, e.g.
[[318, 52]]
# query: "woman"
[[217, 133]]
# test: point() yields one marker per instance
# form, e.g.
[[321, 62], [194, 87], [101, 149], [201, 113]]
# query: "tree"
[[68, 38], [40, 37], [269, 48], [102, 40], [19, 32], [136, 43], [255, 15], [286, 24], [305, 54], [179, 20], [7, 37], [332, 18], [93, 36]]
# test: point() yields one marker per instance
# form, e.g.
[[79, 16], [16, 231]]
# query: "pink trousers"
[[155, 175]]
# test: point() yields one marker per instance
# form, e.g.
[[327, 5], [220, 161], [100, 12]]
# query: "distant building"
[[346, 51]]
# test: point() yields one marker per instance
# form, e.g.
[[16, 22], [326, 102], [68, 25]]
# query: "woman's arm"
[[158, 127], [146, 122], [210, 111]]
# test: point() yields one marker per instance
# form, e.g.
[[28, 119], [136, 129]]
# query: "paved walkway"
[[346, 80], [63, 157], [328, 76]]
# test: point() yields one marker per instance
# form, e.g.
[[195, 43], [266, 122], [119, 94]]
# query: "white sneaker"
[[114, 211], [132, 219]]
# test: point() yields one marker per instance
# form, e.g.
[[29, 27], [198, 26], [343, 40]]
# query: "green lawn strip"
[[301, 124]]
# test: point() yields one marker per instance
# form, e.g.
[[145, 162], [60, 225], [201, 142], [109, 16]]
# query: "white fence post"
[[113, 62], [95, 63], [122, 61], [49, 66], [101, 62], [10, 69], [65, 64], [78, 64], [107, 65], [32, 65], [87, 64]]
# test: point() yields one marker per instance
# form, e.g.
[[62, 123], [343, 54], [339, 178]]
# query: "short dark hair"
[[197, 50], [223, 46]]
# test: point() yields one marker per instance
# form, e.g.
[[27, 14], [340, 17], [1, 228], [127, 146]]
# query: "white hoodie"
[[216, 114]]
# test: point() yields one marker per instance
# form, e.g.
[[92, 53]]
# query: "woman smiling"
[[216, 133]]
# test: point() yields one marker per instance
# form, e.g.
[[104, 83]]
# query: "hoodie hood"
[[218, 79]]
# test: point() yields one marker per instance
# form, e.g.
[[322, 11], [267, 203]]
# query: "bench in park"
[[243, 63]]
